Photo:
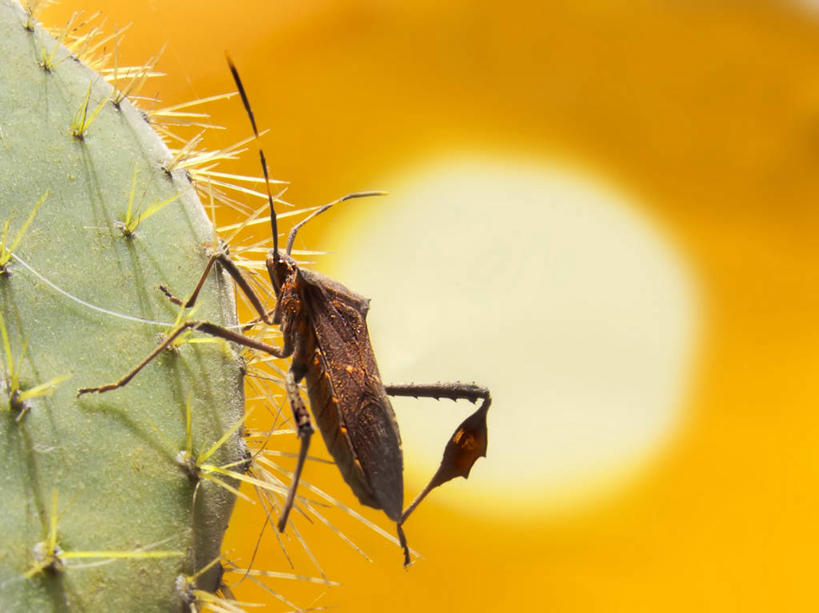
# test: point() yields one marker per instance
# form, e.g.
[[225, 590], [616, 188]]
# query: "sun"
[[544, 283]]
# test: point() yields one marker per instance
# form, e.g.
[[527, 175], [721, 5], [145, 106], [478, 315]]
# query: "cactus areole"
[[97, 513]]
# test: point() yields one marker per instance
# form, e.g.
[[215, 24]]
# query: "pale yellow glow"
[[542, 283]]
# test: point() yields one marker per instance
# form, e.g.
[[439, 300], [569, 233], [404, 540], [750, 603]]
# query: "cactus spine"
[[98, 508]]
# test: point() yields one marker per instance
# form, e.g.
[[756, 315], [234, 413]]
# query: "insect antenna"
[[273, 226], [291, 237]]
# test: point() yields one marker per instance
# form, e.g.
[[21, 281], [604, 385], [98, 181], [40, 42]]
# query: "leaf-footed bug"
[[323, 326]]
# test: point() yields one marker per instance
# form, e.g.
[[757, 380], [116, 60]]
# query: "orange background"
[[709, 111]]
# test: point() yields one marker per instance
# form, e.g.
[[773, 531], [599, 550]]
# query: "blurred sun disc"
[[548, 286]]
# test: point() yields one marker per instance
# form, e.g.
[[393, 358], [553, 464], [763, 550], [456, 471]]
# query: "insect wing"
[[365, 414]]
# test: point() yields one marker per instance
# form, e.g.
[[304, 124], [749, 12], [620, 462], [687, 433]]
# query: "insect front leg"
[[465, 446], [223, 258]]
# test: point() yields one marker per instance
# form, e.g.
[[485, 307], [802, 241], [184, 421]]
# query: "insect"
[[324, 331]]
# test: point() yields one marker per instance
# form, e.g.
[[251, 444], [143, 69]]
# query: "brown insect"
[[323, 326]]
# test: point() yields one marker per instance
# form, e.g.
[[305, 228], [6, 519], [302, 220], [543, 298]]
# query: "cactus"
[[101, 507]]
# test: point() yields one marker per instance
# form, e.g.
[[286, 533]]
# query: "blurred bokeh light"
[[581, 313], [701, 120]]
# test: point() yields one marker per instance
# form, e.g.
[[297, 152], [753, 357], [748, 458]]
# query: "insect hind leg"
[[402, 540], [465, 446]]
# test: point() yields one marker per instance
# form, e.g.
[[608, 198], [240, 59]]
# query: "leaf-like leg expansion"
[[467, 444]]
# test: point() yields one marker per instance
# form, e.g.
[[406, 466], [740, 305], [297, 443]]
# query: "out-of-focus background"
[[607, 214]]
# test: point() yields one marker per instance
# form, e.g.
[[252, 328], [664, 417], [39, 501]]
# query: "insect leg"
[[229, 265], [451, 391], [305, 430], [466, 445], [203, 326]]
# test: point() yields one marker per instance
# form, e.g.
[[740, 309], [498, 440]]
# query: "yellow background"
[[708, 111]]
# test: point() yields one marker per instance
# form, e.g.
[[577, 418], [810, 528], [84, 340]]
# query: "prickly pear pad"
[[99, 474]]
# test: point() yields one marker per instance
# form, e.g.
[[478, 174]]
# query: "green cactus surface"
[[97, 512]]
